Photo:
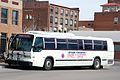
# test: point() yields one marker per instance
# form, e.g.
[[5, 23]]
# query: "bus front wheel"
[[48, 65]]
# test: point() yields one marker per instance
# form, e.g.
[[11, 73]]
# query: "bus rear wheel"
[[96, 63], [48, 65]]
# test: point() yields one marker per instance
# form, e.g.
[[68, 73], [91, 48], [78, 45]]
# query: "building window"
[[51, 29], [4, 1], [27, 0], [75, 23], [28, 17], [71, 13], [75, 14], [15, 3], [51, 19], [116, 20], [56, 20], [3, 42], [56, 10], [62, 12], [61, 21], [71, 22], [66, 12], [15, 17], [66, 21], [4, 16], [51, 10]]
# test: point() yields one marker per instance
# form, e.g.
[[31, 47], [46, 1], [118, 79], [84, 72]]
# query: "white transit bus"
[[52, 49]]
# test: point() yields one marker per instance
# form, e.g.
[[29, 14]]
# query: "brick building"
[[10, 20], [41, 15], [87, 24], [114, 1], [108, 19], [35, 15], [63, 17]]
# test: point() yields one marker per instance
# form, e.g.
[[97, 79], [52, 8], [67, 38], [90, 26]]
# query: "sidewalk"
[[117, 63], [1, 65]]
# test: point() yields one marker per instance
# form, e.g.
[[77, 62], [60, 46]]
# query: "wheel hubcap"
[[48, 64], [97, 64]]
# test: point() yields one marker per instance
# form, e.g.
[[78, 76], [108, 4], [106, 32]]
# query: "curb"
[[2, 62], [1, 65]]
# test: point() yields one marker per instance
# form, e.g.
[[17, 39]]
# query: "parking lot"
[[20, 73]]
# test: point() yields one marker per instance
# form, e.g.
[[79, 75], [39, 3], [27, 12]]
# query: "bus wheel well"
[[97, 57], [50, 57]]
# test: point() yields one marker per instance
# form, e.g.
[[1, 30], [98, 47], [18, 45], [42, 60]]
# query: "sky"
[[87, 7]]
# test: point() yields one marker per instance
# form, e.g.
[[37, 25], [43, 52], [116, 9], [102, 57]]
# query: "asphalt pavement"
[[74, 73]]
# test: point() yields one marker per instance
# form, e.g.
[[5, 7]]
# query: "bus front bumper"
[[20, 63]]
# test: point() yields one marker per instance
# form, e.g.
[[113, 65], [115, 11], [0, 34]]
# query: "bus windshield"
[[22, 42]]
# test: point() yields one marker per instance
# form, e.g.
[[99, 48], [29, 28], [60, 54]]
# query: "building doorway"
[[3, 42]]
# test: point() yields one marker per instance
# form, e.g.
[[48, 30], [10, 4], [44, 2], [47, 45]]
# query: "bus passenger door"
[[37, 49]]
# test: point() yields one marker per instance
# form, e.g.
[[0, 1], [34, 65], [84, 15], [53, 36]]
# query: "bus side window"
[[105, 45], [61, 44], [80, 44], [49, 43], [38, 45], [88, 44], [72, 44], [97, 45]]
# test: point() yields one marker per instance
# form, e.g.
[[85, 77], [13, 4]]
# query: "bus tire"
[[48, 64], [96, 63]]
